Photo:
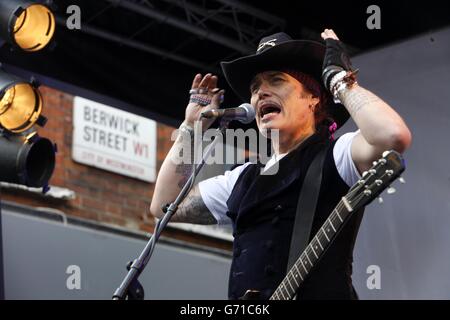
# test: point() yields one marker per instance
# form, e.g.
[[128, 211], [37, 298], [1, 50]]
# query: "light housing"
[[27, 160], [20, 104], [27, 25]]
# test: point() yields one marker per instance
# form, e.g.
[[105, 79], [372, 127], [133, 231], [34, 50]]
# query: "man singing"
[[305, 90]]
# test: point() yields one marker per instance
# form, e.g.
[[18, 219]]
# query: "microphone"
[[245, 113]]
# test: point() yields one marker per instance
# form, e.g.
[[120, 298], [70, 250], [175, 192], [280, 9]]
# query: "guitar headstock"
[[384, 171]]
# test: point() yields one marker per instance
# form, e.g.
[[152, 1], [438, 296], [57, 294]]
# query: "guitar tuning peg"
[[374, 163], [380, 200], [385, 153], [391, 190], [364, 173], [402, 180]]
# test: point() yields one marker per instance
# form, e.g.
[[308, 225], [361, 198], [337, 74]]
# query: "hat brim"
[[303, 55]]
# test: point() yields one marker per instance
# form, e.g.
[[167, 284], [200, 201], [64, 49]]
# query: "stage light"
[[25, 158], [20, 104], [25, 24]]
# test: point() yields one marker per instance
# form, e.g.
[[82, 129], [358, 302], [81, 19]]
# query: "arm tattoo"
[[185, 171], [185, 150], [194, 210], [356, 99]]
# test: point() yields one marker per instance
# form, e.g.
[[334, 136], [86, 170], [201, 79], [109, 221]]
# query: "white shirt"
[[216, 191]]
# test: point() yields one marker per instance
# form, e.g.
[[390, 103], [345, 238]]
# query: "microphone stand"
[[2, 278], [130, 287]]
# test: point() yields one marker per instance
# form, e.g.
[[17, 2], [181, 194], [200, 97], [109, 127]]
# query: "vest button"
[[279, 207], [269, 270], [275, 221], [269, 244]]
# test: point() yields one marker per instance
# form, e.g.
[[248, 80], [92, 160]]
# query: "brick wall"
[[100, 195]]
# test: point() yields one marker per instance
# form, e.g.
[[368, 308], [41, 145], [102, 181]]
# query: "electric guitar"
[[373, 182]]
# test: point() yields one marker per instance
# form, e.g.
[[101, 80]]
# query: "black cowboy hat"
[[280, 52]]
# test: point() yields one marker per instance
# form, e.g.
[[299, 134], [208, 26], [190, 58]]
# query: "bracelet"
[[335, 82], [342, 81], [199, 99], [339, 87]]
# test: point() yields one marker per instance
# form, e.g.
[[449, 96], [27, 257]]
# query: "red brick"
[[100, 195], [113, 209], [115, 220], [92, 203]]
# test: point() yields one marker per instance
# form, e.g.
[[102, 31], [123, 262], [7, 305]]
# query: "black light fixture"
[[25, 157], [26, 24], [20, 104]]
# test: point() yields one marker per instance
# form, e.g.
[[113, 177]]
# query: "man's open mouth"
[[269, 109]]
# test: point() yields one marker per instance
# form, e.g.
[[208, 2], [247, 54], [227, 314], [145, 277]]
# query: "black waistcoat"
[[262, 209]]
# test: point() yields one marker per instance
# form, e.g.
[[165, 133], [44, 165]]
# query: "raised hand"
[[336, 57], [204, 96], [329, 34]]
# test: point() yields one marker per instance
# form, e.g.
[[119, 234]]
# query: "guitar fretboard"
[[312, 253]]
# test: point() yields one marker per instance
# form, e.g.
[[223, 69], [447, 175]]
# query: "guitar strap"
[[306, 207]]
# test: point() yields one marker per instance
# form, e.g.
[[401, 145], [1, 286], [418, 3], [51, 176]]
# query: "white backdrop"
[[408, 236]]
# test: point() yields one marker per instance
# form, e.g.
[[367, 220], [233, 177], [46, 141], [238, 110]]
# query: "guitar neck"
[[313, 252]]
